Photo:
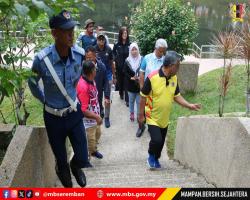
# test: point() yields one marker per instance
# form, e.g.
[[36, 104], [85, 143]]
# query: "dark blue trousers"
[[58, 129]]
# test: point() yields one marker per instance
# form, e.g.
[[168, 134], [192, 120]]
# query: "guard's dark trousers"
[[58, 129]]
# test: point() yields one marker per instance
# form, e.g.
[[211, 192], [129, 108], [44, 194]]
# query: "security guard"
[[61, 118]]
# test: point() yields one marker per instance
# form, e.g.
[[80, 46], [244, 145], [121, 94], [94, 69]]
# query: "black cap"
[[63, 21], [171, 58]]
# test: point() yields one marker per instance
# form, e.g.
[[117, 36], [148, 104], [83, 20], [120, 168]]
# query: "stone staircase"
[[125, 158]]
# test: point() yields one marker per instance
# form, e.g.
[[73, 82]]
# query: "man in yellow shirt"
[[157, 95]]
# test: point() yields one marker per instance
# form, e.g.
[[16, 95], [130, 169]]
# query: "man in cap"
[[100, 29], [158, 92], [87, 38], [104, 53], [62, 112]]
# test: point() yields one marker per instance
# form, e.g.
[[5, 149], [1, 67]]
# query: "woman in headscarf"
[[131, 69]]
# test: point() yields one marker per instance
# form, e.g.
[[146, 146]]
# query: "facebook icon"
[[6, 194]]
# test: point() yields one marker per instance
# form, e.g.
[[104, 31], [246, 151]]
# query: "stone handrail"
[[29, 161], [217, 148]]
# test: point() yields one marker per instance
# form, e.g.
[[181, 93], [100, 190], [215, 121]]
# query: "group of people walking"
[[77, 81]]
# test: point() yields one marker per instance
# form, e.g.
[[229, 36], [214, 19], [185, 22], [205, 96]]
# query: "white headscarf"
[[134, 61]]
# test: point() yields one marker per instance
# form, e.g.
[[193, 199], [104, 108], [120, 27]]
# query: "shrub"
[[168, 19], [227, 44]]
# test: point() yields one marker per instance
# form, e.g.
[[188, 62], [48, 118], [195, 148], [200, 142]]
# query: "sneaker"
[[132, 117], [97, 154], [107, 122], [151, 161], [157, 164]]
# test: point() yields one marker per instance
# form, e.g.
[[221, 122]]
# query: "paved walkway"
[[207, 65], [124, 163]]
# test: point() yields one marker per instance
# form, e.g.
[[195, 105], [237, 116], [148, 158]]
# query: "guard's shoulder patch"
[[78, 49], [44, 52]]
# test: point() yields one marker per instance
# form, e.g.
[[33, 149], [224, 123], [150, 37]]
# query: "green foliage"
[[33, 105], [19, 38], [33, 8], [168, 19], [11, 80]]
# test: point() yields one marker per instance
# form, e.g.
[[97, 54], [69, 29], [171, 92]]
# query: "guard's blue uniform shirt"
[[68, 73]]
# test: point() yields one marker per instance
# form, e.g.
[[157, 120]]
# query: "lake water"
[[212, 15]]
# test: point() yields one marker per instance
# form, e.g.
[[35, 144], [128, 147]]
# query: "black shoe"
[[102, 114], [88, 165], [127, 104], [78, 174], [121, 97], [107, 122], [97, 154], [140, 131], [65, 177]]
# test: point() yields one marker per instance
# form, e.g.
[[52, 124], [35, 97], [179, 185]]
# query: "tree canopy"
[[168, 19]]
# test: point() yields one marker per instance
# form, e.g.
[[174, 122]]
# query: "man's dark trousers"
[[157, 141]]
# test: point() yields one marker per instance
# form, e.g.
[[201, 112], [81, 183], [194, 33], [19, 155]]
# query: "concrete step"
[[127, 176], [138, 175], [125, 158]]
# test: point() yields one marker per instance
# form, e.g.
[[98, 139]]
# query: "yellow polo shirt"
[[160, 92]]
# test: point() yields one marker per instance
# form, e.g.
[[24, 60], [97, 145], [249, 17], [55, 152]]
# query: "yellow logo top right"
[[237, 11]]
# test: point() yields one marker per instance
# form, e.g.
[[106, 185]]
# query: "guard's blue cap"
[[63, 21]]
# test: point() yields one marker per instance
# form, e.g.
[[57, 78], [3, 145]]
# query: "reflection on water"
[[111, 14], [213, 15]]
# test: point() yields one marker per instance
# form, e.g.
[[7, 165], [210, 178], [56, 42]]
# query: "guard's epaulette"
[[78, 49], [44, 52]]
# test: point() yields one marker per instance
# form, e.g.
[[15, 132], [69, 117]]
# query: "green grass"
[[208, 95], [33, 106]]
